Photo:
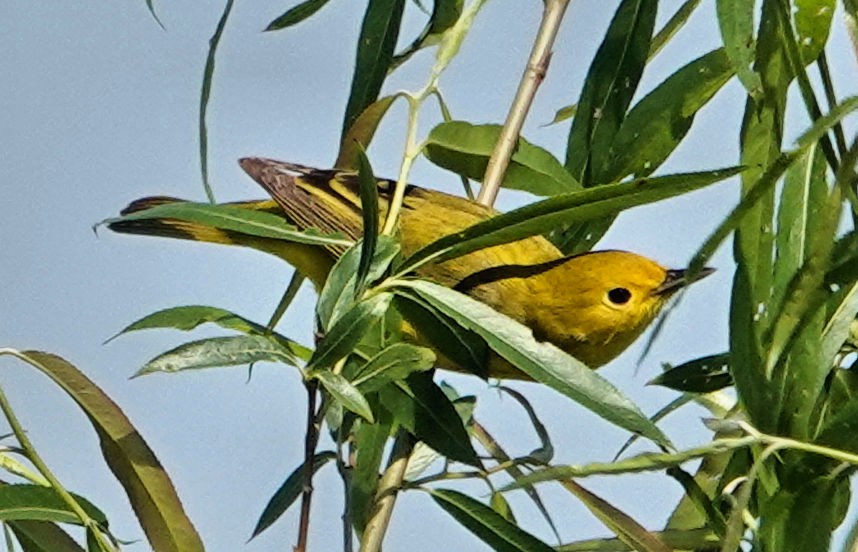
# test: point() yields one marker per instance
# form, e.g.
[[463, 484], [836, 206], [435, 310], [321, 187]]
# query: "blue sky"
[[99, 107]]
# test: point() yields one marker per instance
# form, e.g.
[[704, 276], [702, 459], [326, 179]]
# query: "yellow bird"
[[593, 305]]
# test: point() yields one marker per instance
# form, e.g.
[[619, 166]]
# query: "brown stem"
[[534, 73], [311, 438]]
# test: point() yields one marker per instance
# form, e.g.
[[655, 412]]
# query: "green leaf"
[[465, 149], [842, 309], [658, 123], [147, 485], [701, 375], [702, 539], [151, 6], [36, 502], [361, 132], [378, 35], [543, 362], [621, 524], [205, 93], [42, 536], [393, 363], [543, 216], [344, 392], [611, 83], [812, 24], [545, 452], [369, 440], [296, 14], [673, 25], [338, 293], [420, 406], [235, 218], [288, 492], [451, 341], [189, 317], [218, 351], [564, 113], [736, 21], [369, 211], [491, 527], [444, 15], [348, 330]]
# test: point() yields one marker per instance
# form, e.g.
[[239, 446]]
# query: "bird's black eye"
[[619, 296]]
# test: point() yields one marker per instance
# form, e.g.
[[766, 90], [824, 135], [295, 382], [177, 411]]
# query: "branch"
[[534, 73]]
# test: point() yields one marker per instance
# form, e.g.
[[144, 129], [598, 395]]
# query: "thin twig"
[[534, 73], [311, 438], [388, 487]]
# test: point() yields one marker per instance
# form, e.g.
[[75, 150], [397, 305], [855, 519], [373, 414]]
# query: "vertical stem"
[[534, 73], [310, 440], [388, 486]]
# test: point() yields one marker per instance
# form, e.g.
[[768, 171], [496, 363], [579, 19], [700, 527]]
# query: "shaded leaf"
[[701, 375], [361, 132], [369, 440], [444, 15], [673, 25], [36, 502], [349, 329], [420, 406], [491, 527], [378, 35], [812, 24], [296, 14], [465, 149], [42, 536], [288, 492], [611, 82], [543, 362], [658, 123], [368, 189]]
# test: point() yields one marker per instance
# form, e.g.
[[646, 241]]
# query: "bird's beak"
[[677, 279]]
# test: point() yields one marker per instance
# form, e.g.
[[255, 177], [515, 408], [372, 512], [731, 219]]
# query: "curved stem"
[[534, 73]]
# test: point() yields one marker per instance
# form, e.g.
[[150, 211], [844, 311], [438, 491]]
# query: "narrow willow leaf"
[[189, 317], [543, 362], [673, 25], [393, 363], [150, 4], [812, 24], [620, 523], [548, 214], [420, 406], [701, 375], [491, 527], [288, 492], [146, 484], [338, 294], [444, 15], [448, 339], [465, 149], [296, 14], [378, 35], [736, 21], [499, 504], [289, 295], [843, 308], [700, 540], [658, 123], [369, 440], [218, 351], [344, 392], [36, 502], [234, 218], [362, 131], [348, 330], [562, 114], [369, 212], [42, 536], [611, 83], [205, 93]]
